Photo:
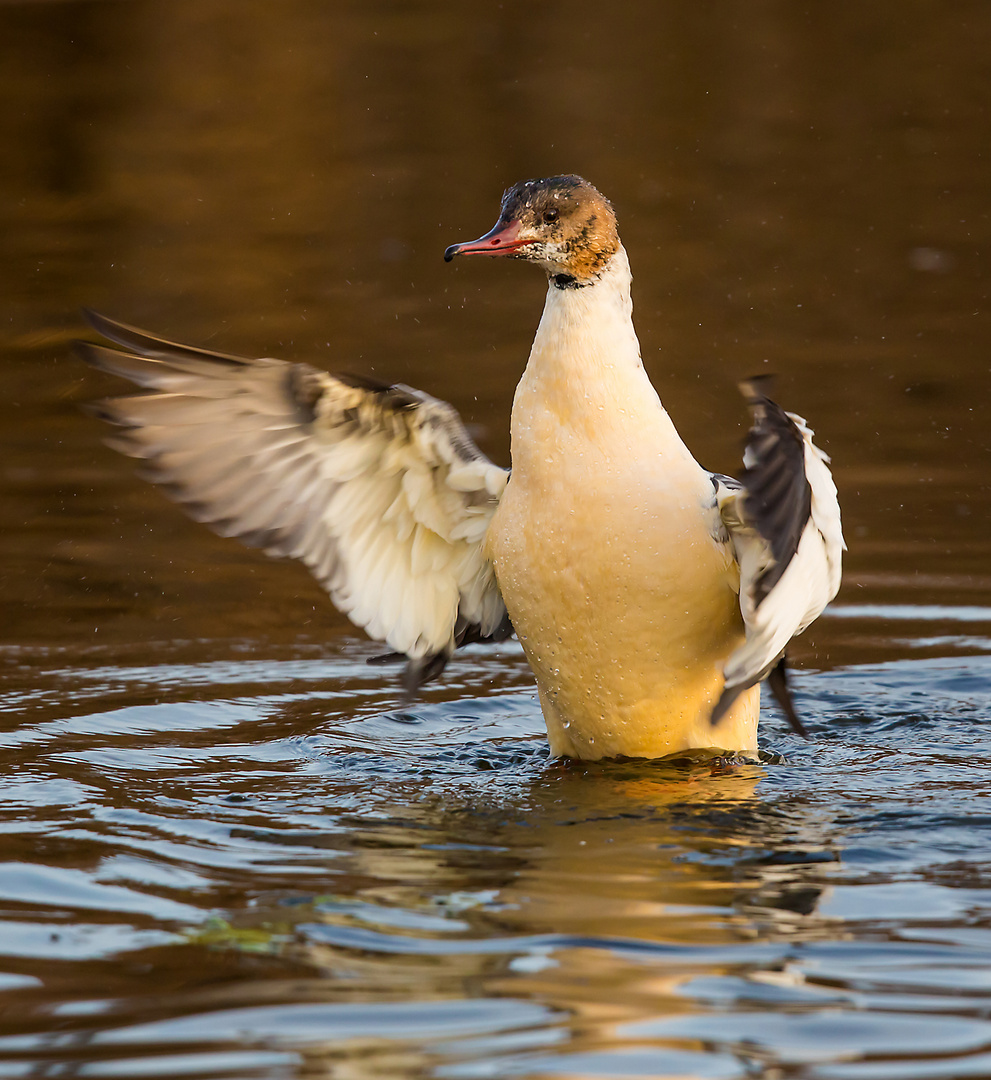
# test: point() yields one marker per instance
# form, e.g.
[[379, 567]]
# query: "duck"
[[651, 597]]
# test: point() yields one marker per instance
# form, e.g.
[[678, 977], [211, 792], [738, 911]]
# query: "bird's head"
[[562, 223]]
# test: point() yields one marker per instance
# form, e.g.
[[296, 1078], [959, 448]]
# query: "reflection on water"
[[295, 875], [229, 849]]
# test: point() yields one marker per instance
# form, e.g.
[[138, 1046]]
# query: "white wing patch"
[[412, 500], [788, 577], [379, 490]]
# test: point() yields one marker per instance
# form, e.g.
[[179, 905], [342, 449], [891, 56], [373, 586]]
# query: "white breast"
[[603, 544]]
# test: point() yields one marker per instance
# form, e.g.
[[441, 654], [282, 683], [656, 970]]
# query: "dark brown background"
[[803, 191]]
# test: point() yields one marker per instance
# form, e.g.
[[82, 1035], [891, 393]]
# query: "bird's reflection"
[[599, 892]]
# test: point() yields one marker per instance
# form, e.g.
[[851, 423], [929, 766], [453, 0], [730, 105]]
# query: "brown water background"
[[803, 189]]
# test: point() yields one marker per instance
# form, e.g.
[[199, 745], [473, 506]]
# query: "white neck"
[[584, 383]]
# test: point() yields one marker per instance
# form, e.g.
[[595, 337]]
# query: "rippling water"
[[228, 847], [253, 865]]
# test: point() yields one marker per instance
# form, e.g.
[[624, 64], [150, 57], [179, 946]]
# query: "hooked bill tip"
[[451, 252]]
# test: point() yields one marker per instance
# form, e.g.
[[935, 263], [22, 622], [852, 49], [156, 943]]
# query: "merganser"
[[651, 597]]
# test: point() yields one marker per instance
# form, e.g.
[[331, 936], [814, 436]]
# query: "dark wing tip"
[[430, 667], [102, 410], [101, 357], [87, 351], [151, 346], [777, 680], [102, 324], [757, 388], [778, 500], [115, 331], [725, 702]]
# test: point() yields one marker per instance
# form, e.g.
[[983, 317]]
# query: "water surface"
[[228, 848]]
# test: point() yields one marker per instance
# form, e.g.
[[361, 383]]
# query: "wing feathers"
[[778, 496], [148, 345], [377, 489], [783, 521]]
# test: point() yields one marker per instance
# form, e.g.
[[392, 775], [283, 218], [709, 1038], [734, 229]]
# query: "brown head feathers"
[[561, 222], [573, 224]]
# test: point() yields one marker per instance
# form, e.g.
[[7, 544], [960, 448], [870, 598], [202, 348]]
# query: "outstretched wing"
[[783, 521], [378, 489]]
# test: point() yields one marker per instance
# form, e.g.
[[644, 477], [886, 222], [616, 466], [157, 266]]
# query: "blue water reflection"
[[424, 889]]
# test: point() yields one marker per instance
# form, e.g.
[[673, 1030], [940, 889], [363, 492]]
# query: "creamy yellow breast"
[[604, 546]]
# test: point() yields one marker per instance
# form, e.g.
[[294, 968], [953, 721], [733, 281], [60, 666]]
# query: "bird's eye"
[[551, 215]]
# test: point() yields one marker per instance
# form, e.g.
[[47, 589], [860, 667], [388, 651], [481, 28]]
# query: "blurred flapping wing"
[[378, 489]]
